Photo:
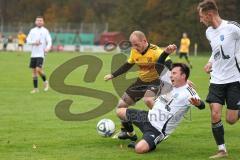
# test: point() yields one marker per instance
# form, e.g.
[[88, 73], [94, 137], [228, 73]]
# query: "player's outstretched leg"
[[128, 132], [126, 126]]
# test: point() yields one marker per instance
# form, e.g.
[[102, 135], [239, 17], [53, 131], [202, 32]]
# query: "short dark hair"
[[40, 17], [183, 67], [208, 5]]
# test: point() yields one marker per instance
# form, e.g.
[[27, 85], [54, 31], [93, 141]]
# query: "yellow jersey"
[[21, 38], [146, 62], [184, 45]]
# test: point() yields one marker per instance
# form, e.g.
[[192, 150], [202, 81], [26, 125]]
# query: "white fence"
[[68, 48]]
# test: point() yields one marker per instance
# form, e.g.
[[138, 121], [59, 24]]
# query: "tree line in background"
[[163, 21]]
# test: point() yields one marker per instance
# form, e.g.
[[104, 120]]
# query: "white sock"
[[131, 133], [222, 147]]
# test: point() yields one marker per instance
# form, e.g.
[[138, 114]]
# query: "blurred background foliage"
[[163, 21]]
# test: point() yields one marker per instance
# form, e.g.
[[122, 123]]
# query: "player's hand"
[[37, 43], [108, 77], [208, 67], [195, 101], [46, 50], [170, 48], [191, 84]]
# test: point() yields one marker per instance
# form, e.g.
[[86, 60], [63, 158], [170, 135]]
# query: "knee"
[[121, 109], [231, 120], [34, 73], [216, 116], [121, 112], [118, 111], [122, 104], [140, 149], [149, 101], [39, 70]]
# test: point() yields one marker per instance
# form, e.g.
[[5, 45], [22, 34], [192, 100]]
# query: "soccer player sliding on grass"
[[167, 112]]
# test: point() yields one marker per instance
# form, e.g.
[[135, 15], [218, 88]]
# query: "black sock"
[[43, 76], [218, 132], [127, 126], [35, 82], [239, 114], [189, 63]]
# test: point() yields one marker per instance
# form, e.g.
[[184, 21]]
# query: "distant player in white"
[[41, 42], [224, 38], [167, 112]]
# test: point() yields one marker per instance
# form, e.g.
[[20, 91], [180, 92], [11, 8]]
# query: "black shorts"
[[20, 45], [229, 92], [181, 54], [36, 62], [137, 90], [150, 134]]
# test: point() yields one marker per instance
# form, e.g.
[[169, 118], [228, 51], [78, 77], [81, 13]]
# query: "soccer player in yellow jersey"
[[21, 40], [184, 48], [145, 55]]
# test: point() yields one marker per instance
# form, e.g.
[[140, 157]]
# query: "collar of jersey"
[[145, 51]]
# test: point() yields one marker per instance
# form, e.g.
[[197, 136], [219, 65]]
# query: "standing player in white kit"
[[223, 66], [41, 42]]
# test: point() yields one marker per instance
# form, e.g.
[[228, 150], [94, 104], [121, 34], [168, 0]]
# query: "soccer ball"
[[105, 127]]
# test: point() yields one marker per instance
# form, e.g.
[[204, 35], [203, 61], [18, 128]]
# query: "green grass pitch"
[[29, 128]]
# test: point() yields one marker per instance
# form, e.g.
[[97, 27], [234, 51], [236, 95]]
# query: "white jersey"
[[39, 34], [225, 44], [169, 108]]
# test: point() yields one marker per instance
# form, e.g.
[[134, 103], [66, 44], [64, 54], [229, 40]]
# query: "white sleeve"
[[49, 40], [207, 34], [236, 34], [165, 76], [30, 39], [211, 59], [166, 83], [192, 93], [236, 30]]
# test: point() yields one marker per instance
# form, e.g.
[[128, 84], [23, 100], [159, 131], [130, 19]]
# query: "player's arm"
[[189, 42], [208, 66], [167, 51], [197, 102], [49, 42], [31, 40], [236, 33], [235, 29], [194, 99], [191, 84], [123, 69], [24, 38], [162, 57]]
